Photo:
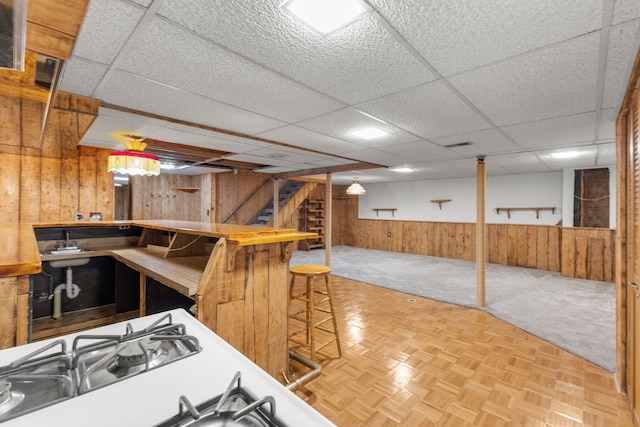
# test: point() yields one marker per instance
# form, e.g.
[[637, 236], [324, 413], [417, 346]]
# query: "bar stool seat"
[[316, 311]]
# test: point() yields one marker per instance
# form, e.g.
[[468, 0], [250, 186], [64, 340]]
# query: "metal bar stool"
[[307, 314]]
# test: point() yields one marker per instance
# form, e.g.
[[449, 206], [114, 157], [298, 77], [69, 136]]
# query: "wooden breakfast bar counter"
[[236, 276]]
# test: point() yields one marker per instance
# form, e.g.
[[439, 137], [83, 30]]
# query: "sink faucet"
[[68, 241]]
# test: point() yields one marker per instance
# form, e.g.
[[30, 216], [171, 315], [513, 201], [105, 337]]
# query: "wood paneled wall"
[[171, 196], [51, 178], [232, 190], [586, 253]]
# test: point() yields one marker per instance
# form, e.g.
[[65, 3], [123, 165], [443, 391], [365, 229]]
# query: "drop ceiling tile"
[[483, 142], [340, 124], [166, 53], [430, 110], [365, 56], [625, 10], [454, 36], [514, 159], [608, 124], [378, 157], [623, 47], [331, 162], [555, 81], [558, 131], [199, 140], [285, 154], [82, 76], [529, 168], [145, 3], [105, 29], [141, 94], [308, 139], [103, 129], [420, 151]]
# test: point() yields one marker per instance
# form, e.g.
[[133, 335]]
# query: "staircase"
[[286, 193]]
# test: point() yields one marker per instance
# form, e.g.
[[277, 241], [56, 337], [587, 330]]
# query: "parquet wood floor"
[[427, 363]]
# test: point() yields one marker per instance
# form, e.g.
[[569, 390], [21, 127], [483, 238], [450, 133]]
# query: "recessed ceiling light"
[[565, 154], [403, 169], [369, 133], [325, 16]]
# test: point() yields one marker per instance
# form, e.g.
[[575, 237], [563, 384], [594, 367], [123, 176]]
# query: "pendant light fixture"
[[133, 161], [356, 189]]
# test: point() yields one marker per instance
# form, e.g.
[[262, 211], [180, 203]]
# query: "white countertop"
[[152, 397]]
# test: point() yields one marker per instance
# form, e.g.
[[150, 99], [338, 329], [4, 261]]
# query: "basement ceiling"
[[517, 81]]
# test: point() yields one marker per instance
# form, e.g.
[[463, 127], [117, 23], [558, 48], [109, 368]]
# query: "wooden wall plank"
[[555, 244], [30, 191], [10, 188], [88, 172], [542, 248], [31, 117], [532, 246], [8, 300], [10, 123], [50, 190]]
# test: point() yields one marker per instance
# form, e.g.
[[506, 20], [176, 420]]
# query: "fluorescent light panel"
[[325, 16], [369, 133]]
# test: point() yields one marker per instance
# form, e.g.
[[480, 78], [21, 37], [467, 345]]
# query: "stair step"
[[264, 218]]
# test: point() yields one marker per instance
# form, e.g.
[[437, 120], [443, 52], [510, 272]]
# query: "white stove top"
[[152, 397]]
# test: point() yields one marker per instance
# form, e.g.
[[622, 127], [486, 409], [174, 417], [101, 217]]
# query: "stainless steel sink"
[[71, 262]]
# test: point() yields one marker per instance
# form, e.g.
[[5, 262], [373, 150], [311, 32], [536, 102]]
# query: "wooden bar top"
[[241, 235], [19, 254], [18, 250]]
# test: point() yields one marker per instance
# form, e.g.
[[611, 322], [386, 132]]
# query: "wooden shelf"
[[187, 189], [312, 219], [392, 210], [536, 209], [440, 202]]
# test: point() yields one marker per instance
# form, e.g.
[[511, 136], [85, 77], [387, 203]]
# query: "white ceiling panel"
[[138, 93], [623, 46], [555, 81], [625, 10], [308, 139], [482, 142], [340, 124], [607, 128], [106, 28], [420, 151], [430, 110], [558, 131], [454, 36], [363, 58], [518, 79], [166, 53], [82, 76], [377, 157], [513, 159]]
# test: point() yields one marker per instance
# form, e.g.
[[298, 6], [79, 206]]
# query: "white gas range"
[[165, 369]]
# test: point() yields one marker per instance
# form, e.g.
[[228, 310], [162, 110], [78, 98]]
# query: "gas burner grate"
[[111, 358], [34, 382], [235, 407]]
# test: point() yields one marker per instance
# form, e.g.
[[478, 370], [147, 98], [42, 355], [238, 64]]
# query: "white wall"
[[412, 200]]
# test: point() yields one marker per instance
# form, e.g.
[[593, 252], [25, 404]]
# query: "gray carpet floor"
[[576, 315]]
